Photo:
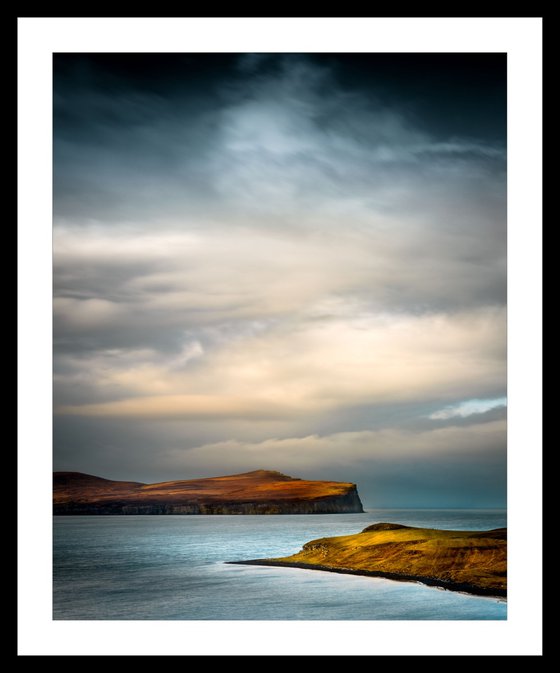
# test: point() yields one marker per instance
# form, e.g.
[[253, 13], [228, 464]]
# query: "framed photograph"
[[280, 335]]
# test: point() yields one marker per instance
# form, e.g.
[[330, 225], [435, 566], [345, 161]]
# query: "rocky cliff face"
[[259, 492]]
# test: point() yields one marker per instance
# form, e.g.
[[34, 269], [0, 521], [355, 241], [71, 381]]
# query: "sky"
[[293, 262]]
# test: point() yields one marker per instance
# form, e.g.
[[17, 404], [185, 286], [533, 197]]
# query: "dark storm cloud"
[[136, 128], [257, 248]]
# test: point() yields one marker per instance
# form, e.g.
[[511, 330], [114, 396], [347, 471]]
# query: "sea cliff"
[[258, 492]]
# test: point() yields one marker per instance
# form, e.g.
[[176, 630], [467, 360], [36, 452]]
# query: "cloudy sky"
[[290, 262]]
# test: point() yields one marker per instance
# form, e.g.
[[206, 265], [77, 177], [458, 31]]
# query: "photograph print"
[[279, 336]]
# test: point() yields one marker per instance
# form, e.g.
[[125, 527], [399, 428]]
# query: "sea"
[[175, 568]]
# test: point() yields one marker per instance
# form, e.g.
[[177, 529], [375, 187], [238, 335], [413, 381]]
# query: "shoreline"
[[461, 587]]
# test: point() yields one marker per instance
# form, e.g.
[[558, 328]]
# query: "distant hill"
[[258, 492]]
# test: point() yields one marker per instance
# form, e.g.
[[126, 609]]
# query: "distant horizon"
[[295, 261]]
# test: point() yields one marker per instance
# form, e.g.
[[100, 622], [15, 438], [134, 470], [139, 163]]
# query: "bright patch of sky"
[[468, 408]]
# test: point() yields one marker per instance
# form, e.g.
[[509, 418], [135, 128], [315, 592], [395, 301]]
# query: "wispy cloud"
[[468, 408]]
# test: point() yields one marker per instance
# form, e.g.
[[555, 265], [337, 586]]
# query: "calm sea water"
[[172, 567]]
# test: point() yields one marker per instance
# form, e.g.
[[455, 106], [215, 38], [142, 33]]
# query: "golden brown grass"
[[469, 560], [257, 486]]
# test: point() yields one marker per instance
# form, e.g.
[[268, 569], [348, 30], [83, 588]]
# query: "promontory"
[[470, 561], [258, 492]]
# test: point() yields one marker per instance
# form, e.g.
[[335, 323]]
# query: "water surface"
[[172, 567]]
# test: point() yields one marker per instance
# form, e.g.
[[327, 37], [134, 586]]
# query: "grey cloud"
[[280, 155]]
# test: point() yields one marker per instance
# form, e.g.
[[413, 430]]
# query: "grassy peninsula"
[[469, 561]]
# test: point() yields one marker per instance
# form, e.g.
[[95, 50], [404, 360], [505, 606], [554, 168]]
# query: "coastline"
[[257, 492], [461, 587], [193, 549]]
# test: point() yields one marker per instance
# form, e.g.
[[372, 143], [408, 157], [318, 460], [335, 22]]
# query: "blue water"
[[172, 567]]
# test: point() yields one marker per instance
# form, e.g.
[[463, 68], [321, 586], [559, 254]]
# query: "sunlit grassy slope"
[[470, 560], [257, 492]]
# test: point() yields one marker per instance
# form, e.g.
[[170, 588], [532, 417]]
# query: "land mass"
[[470, 561], [258, 492]]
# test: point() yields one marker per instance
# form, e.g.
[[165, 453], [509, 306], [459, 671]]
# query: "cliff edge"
[[257, 492]]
